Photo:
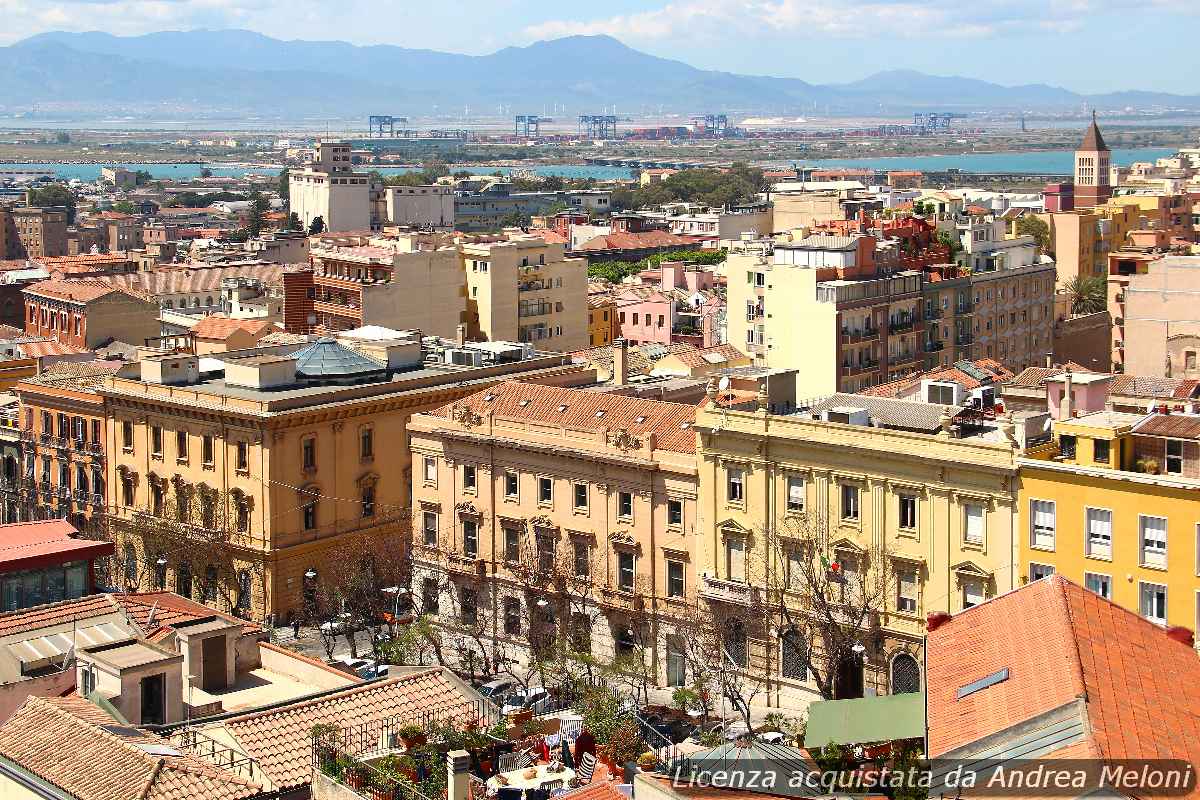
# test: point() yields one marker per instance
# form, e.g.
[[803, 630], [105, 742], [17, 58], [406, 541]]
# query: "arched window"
[[208, 300], [793, 655], [906, 674], [736, 647]]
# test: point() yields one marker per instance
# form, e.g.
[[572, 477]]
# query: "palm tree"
[[1089, 294]]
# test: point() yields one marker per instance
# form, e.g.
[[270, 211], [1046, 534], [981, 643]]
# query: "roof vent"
[[523, 403], [1182, 635], [562, 409], [977, 686], [935, 620]]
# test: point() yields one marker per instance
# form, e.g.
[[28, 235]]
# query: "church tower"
[[1092, 180]]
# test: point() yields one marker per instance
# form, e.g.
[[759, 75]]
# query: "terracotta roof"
[[1093, 140], [169, 608], [718, 355], [283, 337], [63, 740], [197, 278], [9, 332], [21, 542], [996, 371], [549, 235], [74, 374], [50, 347], [670, 422], [910, 415], [638, 241], [1032, 377], [29, 619], [218, 327], [639, 360], [1134, 681], [599, 300], [279, 738], [1150, 386], [1174, 426], [76, 291]]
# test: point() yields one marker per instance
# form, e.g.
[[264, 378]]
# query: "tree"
[[351, 592], [1035, 226], [294, 223], [62, 137], [316, 226], [55, 195], [142, 177], [283, 187], [258, 213], [125, 207], [1088, 293]]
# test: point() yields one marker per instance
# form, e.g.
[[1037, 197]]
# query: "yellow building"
[[928, 519], [602, 319], [242, 485], [1112, 504]]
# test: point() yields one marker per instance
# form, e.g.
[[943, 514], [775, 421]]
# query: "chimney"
[[460, 336], [1049, 360], [935, 620], [1182, 635], [458, 774], [620, 372], [1064, 408]]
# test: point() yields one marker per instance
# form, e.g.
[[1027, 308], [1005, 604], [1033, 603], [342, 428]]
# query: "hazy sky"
[[1086, 45]]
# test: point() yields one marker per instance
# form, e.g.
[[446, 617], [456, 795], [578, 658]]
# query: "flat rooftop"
[[130, 654]]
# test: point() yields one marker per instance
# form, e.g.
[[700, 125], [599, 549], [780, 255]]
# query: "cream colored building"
[[544, 514], [277, 458], [329, 188], [933, 515], [805, 209]]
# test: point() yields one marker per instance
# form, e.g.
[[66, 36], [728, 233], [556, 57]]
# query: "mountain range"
[[246, 72]]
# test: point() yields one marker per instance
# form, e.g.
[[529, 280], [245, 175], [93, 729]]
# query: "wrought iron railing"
[[214, 752]]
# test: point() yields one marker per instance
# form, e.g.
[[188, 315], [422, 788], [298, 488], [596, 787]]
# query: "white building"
[[985, 248], [420, 205], [329, 188]]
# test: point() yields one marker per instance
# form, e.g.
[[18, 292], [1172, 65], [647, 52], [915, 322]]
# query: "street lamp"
[[311, 573], [398, 591], [541, 602], [858, 649]]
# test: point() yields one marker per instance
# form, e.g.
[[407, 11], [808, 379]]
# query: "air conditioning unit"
[[464, 358], [846, 415]]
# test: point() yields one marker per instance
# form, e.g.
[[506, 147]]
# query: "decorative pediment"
[[466, 509], [543, 522], [368, 479], [731, 527], [845, 544], [623, 440], [464, 416], [676, 555], [970, 570], [623, 539]]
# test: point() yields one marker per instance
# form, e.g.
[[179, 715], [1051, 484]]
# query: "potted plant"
[[402, 767], [624, 745], [647, 761], [323, 735], [413, 736], [355, 775]]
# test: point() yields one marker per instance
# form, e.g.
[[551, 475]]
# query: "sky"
[[1083, 45]]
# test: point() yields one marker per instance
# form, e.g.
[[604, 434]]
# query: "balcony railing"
[[934, 346], [867, 365], [902, 326], [723, 591], [964, 308], [854, 335], [933, 313], [964, 339]]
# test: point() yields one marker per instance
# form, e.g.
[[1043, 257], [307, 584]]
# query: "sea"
[[1035, 162]]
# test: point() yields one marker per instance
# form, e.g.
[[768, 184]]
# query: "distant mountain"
[[234, 70]]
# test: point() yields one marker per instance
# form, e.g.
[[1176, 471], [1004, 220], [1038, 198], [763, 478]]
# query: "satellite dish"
[[1046, 424], [723, 385]]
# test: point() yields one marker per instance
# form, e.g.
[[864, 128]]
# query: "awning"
[[866, 720]]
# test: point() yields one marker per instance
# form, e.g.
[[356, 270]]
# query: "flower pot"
[[380, 793], [355, 779]]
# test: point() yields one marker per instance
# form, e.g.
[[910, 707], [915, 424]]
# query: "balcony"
[[964, 308], [902, 325], [721, 591], [934, 346], [854, 336], [932, 314], [866, 365], [964, 339]]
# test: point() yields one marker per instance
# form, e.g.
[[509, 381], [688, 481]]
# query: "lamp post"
[[396, 592]]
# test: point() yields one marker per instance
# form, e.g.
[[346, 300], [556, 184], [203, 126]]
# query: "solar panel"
[[122, 730], [983, 683]]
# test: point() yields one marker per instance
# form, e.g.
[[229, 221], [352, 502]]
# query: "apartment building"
[[986, 246], [1082, 240], [1110, 503], [546, 515], [792, 210], [602, 318], [929, 521], [64, 442], [1153, 300], [39, 233], [484, 203], [421, 206], [88, 313], [246, 479], [328, 188]]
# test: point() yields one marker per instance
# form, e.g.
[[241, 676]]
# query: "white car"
[[365, 668], [498, 689], [535, 698]]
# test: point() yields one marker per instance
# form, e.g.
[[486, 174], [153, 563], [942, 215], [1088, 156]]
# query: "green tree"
[[283, 187], [316, 226], [55, 195], [125, 207], [142, 177], [294, 223], [1035, 226], [1088, 293], [257, 218], [62, 137]]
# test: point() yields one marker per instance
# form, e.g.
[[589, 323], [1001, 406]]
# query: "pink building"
[[678, 304]]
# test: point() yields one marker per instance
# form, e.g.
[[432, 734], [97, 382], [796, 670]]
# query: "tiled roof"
[[61, 740], [28, 619], [283, 337], [818, 242], [77, 291], [599, 299], [75, 374], [910, 415], [1093, 140], [637, 241], [9, 332], [1032, 377], [218, 327], [1175, 426], [169, 608], [993, 371], [187, 280], [50, 347], [1150, 386], [279, 738], [718, 355], [670, 422], [1136, 683], [638, 361], [22, 541]]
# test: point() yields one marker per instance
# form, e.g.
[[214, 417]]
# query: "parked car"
[[365, 668], [536, 699], [497, 690]]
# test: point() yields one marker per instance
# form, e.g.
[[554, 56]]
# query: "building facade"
[[330, 190], [88, 313]]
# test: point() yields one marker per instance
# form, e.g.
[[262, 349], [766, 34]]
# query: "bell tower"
[[1093, 185]]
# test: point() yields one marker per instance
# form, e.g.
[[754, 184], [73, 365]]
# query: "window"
[[206, 449], [1100, 450], [468, 606], [906, 590], [735, 559], [429, 528], [430, 470], [545, 490], [510, 485], [366, 444], [1041, 520], [468, 475], [849, 502], [675, 586], [243, 513], [1153, 602], [973, 531], [1174, 457], [582, 559], [243, 457], [625, 505], [308, 453], [581, 497], [676, 663], [310, 513], [1098, 583], [183, 580], [209, 589], [156, 443], [1066, 445], [793, 565], [795, 493], [736, 643], [429, 596], [126, 489], [908, 512], [181, 445], [470, 529], [674, 513], [512, 616], [625, 571], [1153, 536], [1099, 532], [906, 674], [127, 435], [156, 498], [1039, 571], [793, 656], [368, 501], [735, 491], [545, 553], [972, 590]]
